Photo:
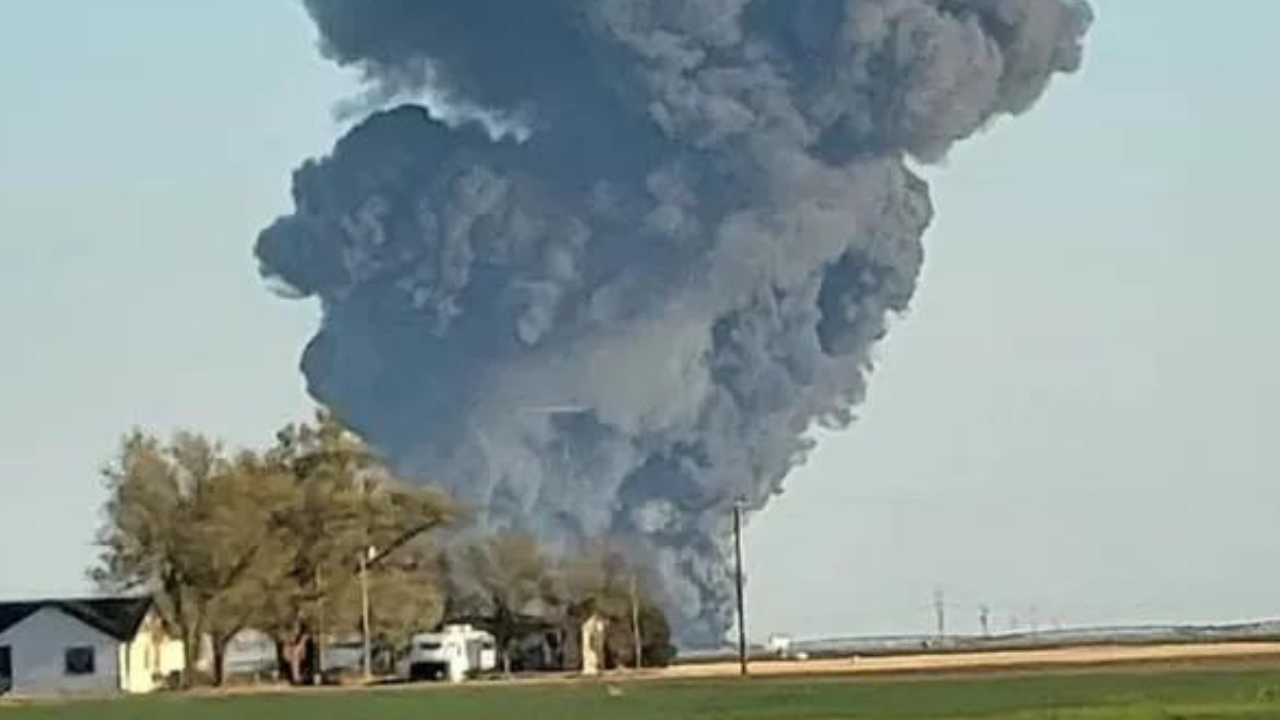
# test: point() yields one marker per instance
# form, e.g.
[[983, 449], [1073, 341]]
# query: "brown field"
[[1065, 658], [1241, 655]]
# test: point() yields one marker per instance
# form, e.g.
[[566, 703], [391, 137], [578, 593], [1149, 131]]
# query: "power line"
[[1046, 501]]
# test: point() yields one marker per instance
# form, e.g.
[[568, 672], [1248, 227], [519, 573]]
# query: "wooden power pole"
[[940, 612], [366, 639], [635, 623], [738, 582]]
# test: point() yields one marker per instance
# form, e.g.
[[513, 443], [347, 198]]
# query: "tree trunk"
[[295, 656], [283, 668], [312, 657], [220, 660], [294, 651], [503, 641], [190, 656], [504, 635], [188, 630]]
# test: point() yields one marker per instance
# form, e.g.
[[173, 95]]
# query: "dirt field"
[[1011, 660]]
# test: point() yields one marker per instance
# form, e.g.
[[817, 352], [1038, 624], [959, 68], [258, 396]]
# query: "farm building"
[[99, 646]]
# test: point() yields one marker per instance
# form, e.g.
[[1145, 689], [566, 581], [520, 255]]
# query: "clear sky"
[[1075, 424]]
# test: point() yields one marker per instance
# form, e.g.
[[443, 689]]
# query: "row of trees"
[[275, 539], [513, 588]]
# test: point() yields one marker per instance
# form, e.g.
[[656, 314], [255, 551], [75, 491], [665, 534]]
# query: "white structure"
[[250, 652], [455, 653], [84, 647], [780, 645], [593, 632]]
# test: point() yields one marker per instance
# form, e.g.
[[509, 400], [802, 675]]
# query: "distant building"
[[101, 646], [780, 645]]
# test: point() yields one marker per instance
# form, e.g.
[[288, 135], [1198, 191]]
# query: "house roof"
[[119, 618]]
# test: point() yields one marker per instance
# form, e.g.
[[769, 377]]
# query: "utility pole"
[[940, 610], [738, 581], [635, 623], [318, 672], [364, 612]]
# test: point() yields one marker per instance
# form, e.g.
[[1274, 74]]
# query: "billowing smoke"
[[607, 263]]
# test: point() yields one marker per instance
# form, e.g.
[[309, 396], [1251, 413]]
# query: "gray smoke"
[[637, 249]]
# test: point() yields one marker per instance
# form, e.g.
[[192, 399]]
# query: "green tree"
[[406, 597], [606, 579], [248, 500], [344, 504], [506, 584], [271, 541], [189, 526]]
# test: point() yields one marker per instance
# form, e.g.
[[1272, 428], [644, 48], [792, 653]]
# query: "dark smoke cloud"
[[633, 309]]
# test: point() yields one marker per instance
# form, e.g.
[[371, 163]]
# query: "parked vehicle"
[[344, 657], [454, 654]]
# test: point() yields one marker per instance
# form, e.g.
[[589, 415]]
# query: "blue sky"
[[1076, 423]]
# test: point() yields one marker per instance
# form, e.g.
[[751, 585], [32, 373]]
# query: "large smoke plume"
[[636, 249]]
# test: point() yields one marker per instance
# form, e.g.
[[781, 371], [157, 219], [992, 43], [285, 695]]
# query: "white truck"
[[455, 653]]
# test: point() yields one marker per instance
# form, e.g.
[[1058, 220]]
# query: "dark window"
[[80, 661], [6, 669]]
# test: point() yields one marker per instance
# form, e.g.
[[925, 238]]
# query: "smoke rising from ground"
[[641, 248]]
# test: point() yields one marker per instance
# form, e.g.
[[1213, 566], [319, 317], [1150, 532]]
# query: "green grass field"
[[1148, 695]]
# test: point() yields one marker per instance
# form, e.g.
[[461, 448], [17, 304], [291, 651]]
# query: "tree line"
[[277, 540]]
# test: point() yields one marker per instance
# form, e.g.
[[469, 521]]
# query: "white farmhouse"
[[101, 646]]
